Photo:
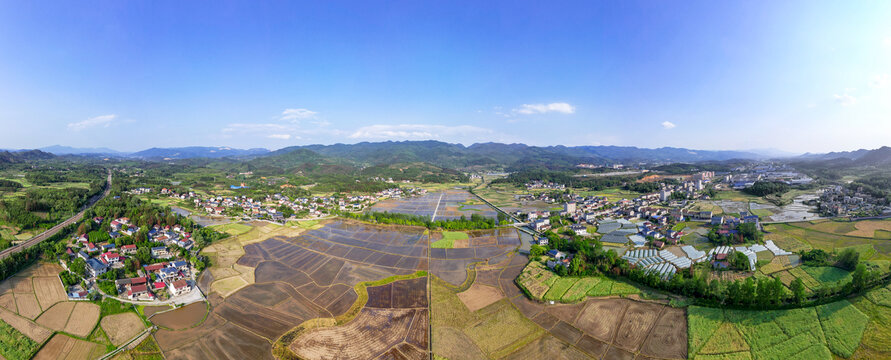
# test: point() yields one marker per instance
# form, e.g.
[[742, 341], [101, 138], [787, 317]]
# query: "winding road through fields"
[[55, 229]]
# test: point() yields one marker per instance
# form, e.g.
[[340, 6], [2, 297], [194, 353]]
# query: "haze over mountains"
[[459, 156]]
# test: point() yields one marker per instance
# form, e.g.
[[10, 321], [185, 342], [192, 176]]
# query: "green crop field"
[[843, 325], [555, 293], [807, 233], [15, 345], [828, 275], [580, 289], [807, 333]]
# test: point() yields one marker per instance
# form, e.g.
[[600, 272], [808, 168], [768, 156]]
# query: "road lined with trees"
[[55, 229]]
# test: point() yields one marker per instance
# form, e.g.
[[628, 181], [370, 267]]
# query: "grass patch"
[[448, 239], [109, 306], [233, 229]]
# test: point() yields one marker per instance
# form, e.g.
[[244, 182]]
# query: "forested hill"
[[7, 157], [511, 156]]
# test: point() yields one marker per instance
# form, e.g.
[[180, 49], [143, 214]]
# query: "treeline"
[[590, 259], [565, 177], [764, 188], [476, 222], [9, 185]]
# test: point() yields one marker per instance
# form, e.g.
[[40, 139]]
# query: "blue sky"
[[792, 75]]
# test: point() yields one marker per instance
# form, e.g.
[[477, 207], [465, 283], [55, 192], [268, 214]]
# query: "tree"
[[575, 266], [537, 250], [860, 277], [798, 290], [848, 259], [560, 270], [740, 261], [78, 266]]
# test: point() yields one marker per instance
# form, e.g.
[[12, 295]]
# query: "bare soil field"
[[148, 311], [479, 296], [600, 319], [48, 290], [28, 305], [57, 316], [548, 347], [372, 333], [21, 284], [182, 318], [668, 339], [122, 327], [83, 319], [636, 324], [27, 327], [65, 347], [7, 301]]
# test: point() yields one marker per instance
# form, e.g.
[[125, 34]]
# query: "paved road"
[[52, 231]]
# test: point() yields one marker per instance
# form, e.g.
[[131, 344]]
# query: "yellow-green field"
[[831, 236]]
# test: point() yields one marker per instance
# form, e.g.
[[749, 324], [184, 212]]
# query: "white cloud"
[[560, 107], [280, 136], [887, 41], [297, 114], [879, 81], [416, 131], [668, 125], [845, 100], [104, 121]]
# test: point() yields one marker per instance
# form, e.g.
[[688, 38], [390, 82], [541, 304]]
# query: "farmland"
[[308, 274], [34, 304], [445, 205], [393, 322], [544, 285], [804, 333], [831, 236]]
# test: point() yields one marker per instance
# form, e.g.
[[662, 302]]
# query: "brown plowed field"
[[27, 305], [636, 324], [49, 291], [57, 316], [480, 296], [65, 347], [669, 338], [182, 318], [83, 319], [371, 333], [122, 327], [601, 318]]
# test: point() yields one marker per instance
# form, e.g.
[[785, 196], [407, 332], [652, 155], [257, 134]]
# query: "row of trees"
[[591, 259], [566, 178], [475, 222]]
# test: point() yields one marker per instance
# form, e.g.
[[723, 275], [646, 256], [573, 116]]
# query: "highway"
[[52, 231]]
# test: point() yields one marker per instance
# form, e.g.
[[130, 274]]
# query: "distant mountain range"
[[446, 155], [196, 152], [68, 150]]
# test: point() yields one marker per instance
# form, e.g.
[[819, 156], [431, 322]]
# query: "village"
[[157, 269], [649, 230], [280, 208]]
